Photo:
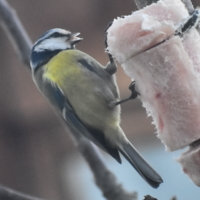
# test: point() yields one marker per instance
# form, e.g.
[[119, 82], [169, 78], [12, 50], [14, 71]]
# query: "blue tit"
[[85, 94]]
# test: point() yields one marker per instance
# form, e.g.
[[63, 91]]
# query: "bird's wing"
[[60, 101], [103, 73]]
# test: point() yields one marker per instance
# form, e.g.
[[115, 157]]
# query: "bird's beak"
[[74, 39]]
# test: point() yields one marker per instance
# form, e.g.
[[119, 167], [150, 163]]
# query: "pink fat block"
[[166, 69], [190, 161], [133, 34], [167, 84], [166, 74]]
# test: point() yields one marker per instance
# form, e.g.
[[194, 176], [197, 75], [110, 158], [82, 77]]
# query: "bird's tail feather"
[[141, 166]]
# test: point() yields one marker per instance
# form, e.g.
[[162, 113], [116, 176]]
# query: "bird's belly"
[[91, 107]]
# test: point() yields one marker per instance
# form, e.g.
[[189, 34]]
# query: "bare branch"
[[148, 197], [188, 5], [9, 194], [142, 3], [105, 180], [15, 31]]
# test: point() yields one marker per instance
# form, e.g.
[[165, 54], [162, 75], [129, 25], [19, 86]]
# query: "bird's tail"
[[141, 166]]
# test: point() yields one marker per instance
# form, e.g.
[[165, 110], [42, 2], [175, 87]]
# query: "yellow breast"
[[62, 67]]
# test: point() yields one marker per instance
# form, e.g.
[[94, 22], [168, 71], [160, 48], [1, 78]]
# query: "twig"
[[105, 180], [148, 197], [188, 5], [16, 32], [142, 3], [174, 198], [9, 194]]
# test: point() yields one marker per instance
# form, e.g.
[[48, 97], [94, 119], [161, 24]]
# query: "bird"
[[85, 94]]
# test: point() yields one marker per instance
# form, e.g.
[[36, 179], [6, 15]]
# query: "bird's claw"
[[133, 90]]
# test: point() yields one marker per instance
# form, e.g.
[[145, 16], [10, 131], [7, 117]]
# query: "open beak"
[[74, 39]]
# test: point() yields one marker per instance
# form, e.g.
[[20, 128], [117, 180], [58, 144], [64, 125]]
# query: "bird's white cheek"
[[52, 44]]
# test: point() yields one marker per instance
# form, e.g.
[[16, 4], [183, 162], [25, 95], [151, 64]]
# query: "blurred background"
[[37, 156]]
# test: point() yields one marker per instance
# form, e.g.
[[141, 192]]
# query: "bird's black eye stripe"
[[56, 35]]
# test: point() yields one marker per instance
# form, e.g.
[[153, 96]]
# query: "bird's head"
[[56, 39], [50, 43]]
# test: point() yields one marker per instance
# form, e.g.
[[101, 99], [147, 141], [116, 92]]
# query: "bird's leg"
[[111, 67], [134, 94]]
